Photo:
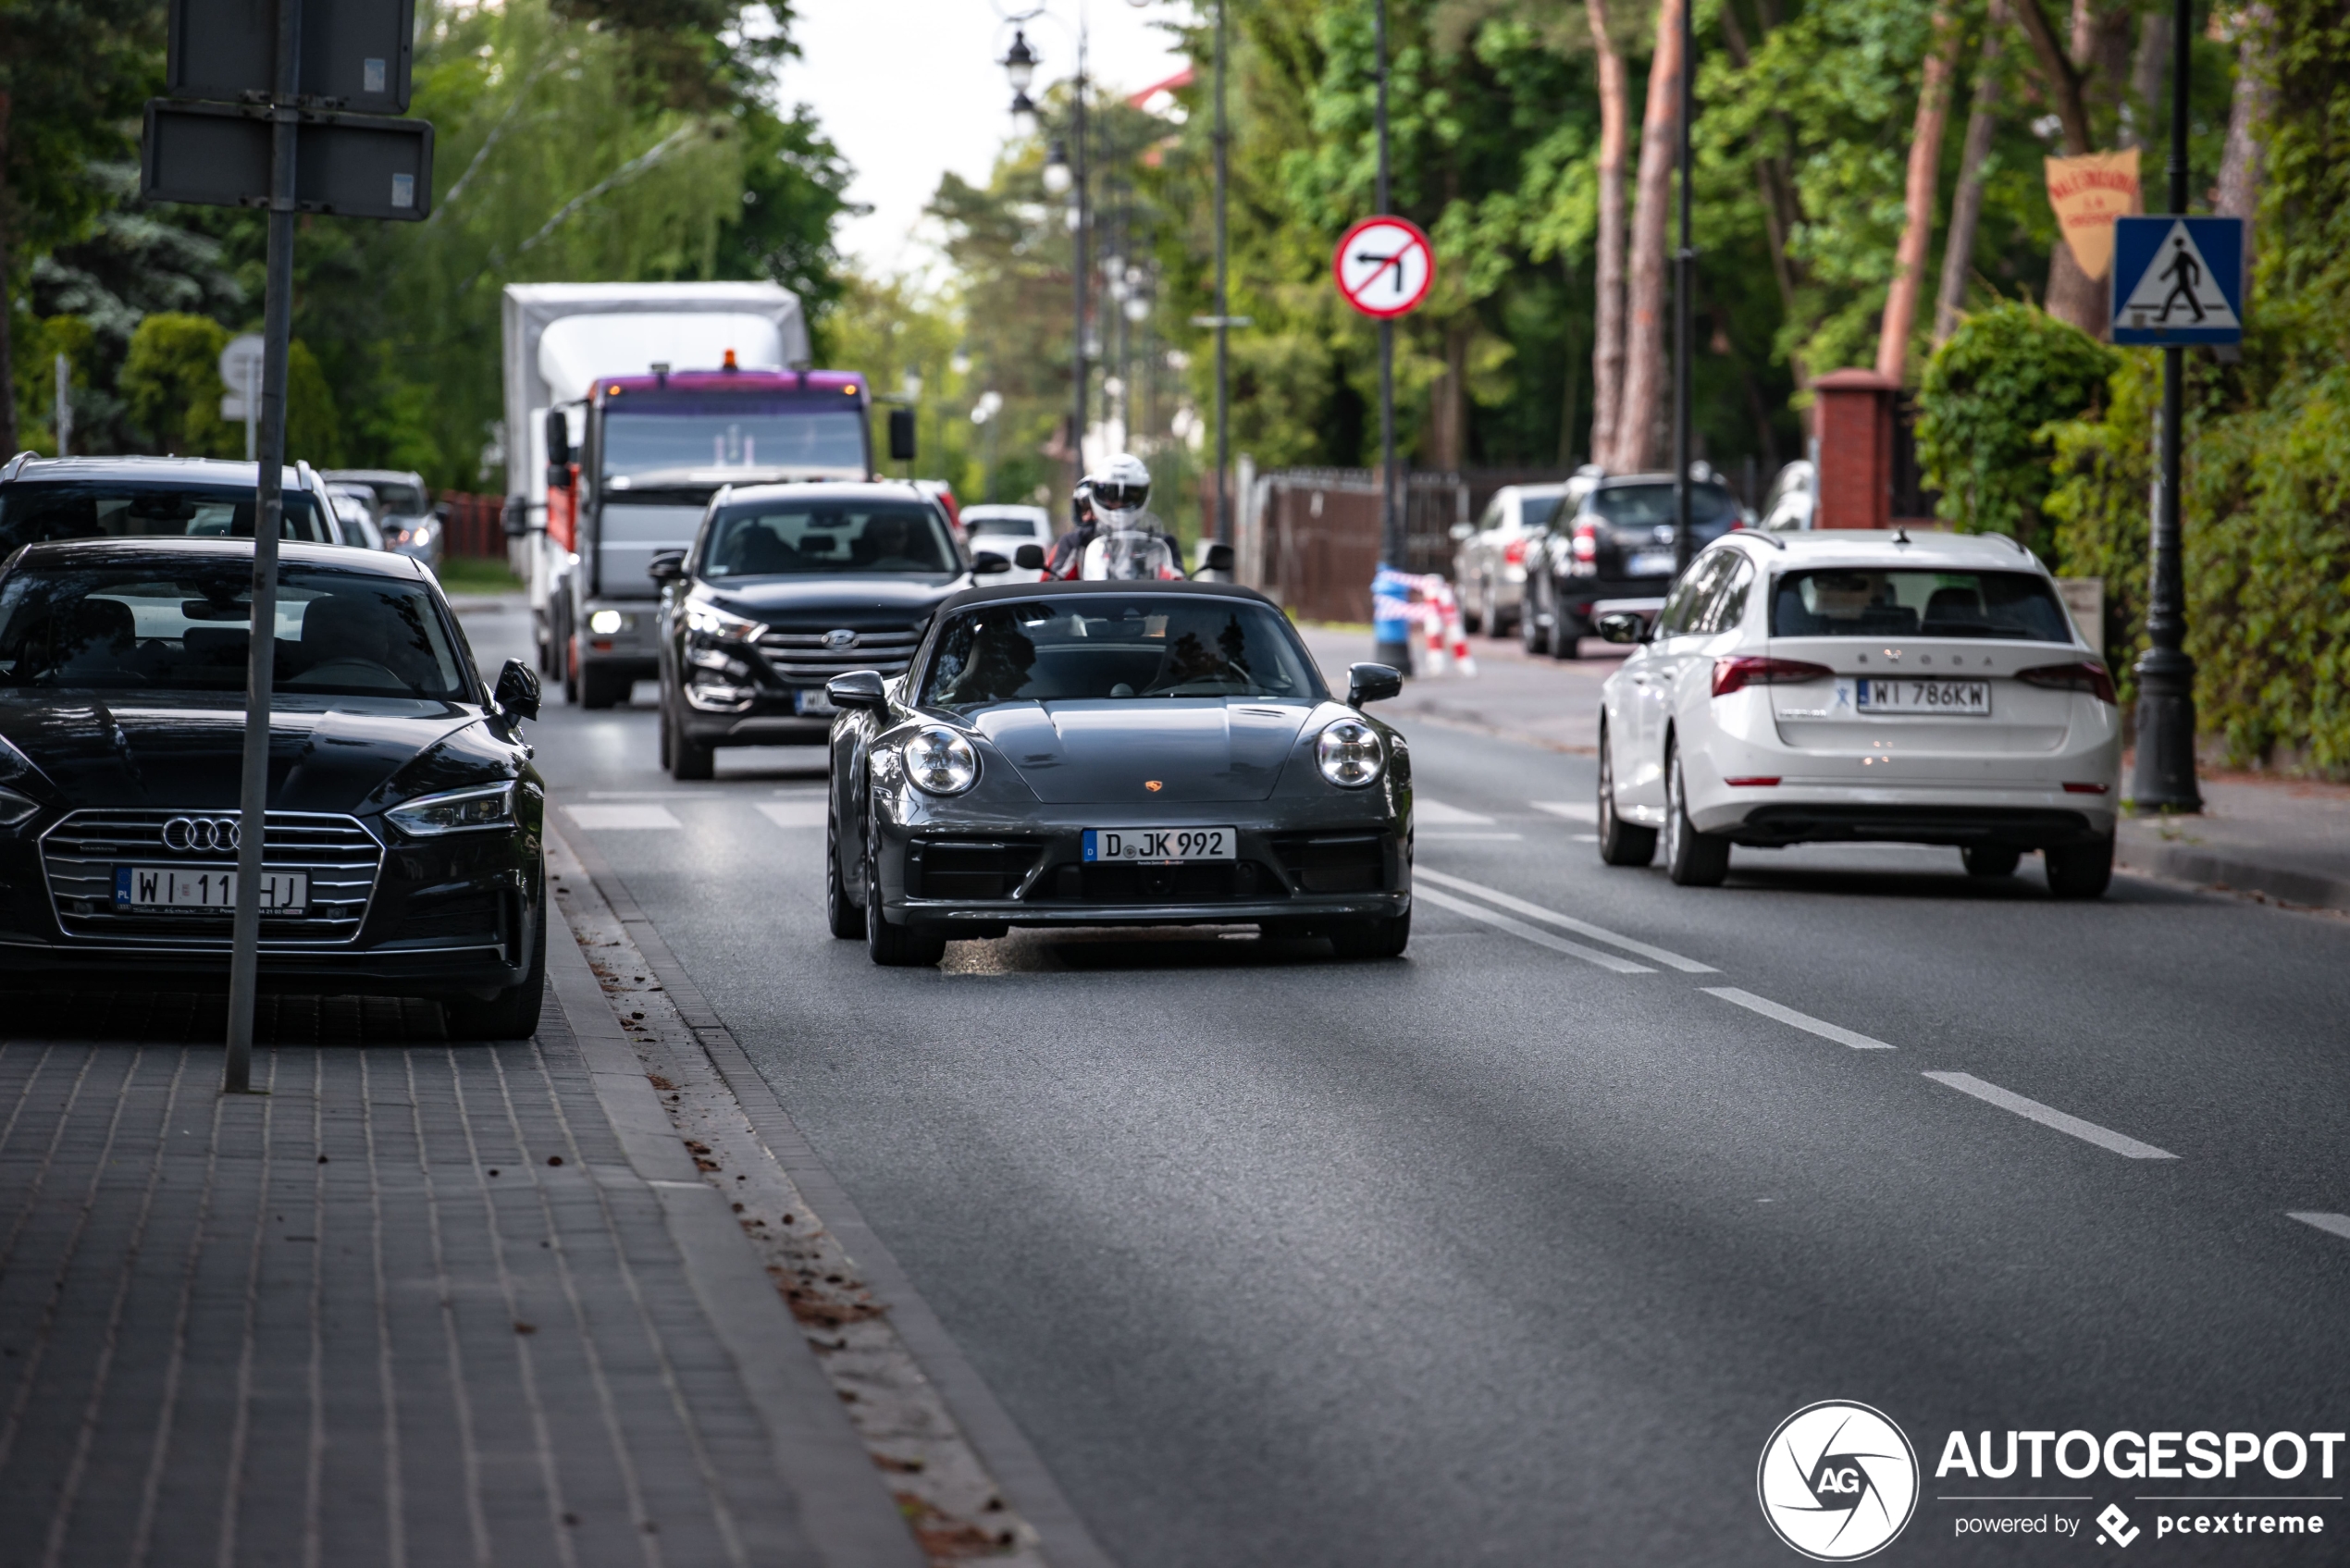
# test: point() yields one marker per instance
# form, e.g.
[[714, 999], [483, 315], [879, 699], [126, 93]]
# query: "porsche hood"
[[1113, 752]]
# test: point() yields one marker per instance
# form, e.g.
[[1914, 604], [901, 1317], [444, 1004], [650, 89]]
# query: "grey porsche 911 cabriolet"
[[1086, 753]]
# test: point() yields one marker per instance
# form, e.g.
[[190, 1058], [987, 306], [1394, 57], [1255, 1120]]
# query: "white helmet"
[[1120, 488]]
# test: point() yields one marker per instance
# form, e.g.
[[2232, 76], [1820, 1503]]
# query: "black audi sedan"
[[788, 586], [1085, 754], [402, 847]]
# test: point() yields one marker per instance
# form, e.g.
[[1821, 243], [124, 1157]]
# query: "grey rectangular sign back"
[[357, 53], [351, 166]]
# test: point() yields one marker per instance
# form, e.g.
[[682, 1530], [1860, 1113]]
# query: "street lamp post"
[[1223, 297], [2163, 779]]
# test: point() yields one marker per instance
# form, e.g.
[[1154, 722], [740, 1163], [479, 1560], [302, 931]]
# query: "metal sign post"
[[1384, 268], [291, 154]]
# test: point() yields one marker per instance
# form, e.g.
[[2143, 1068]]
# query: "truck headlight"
[[604, 622], [1350, 753], [707, 620], [941, 762], [456, 810]]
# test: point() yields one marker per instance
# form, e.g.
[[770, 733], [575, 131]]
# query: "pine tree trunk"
[[1644, 339], [1917, 225], [8, 302], [1966, 202], [1607, 343], [1448, 403]]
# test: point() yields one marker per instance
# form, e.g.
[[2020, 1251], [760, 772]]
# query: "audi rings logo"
[[840, 639], [199, 835], [1837, 1481]]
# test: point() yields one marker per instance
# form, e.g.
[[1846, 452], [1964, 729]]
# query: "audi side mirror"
[[1372, 682], [987, 563], [858, 688], [1029, 558], [666, 566], [517, 690], [1622, 626]]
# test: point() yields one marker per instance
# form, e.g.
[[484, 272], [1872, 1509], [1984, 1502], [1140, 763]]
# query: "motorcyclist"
[[1128, 542]]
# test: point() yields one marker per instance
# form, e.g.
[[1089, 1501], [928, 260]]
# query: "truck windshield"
[[705, 433]]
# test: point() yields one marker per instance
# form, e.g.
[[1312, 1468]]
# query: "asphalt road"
[[1518, 1248]]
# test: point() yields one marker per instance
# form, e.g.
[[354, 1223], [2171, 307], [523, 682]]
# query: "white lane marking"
[[1513, 838], [1581, 928], [1804, 1021], [794, 813], [622, 816], [2332, 1224], [2048, 1116], [1436, 812], [1573, 810], [645, 794], [1583, 838], [1539, 938]]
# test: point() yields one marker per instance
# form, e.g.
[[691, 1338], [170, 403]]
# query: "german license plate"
[[1651, 564], [1159, 846], [1958, 699], [814, 701], [168, 889]]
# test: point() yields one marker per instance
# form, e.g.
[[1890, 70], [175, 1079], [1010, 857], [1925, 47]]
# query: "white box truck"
[[628, 406]]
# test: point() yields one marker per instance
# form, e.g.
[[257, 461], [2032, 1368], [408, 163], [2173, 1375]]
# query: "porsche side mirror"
[[1372, 682], [666, 566], [1622, 626], [858, 688], [1216, 557], [517, 690], [987, 563], [1029, 558]]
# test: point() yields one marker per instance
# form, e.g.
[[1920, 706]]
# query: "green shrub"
[[171, 382], [1987, 398]]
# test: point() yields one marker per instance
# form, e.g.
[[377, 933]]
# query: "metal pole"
[[253, 797], [1684, 313], [1079, 265], [63, 417], [1391, 516], [253, 409], [2163, 779], [1223, 301]]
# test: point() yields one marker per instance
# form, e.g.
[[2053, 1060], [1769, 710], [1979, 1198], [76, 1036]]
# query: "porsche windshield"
[[1095, 647], [181, 626]]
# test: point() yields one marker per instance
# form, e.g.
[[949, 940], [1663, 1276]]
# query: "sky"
[[909, 89]]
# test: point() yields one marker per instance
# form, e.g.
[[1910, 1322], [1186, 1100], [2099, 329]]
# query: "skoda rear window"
[[1842, 602], [32, 512]]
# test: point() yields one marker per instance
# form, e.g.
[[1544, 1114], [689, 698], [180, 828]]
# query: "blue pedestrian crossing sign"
[[2178, 279]]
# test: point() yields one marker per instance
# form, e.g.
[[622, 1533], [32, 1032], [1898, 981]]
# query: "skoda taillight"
[[2087, 675], [1737, 674]]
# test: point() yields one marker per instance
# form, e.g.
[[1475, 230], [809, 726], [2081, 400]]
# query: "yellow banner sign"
[[2089, 193]]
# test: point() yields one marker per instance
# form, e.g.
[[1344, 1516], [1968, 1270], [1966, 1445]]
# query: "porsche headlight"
[[724, 625], [456, 810], [941, 762], [1350, 753]]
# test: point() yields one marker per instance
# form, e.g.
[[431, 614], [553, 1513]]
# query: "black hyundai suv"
[[1618, 544], [788, 586]]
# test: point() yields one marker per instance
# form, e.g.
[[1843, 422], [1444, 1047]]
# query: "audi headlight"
[[456, 810], [941, 762], [15, 807], [1350, 753], [723, 624]]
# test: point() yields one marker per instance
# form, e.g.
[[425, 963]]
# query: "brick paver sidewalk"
[[414, 1307]]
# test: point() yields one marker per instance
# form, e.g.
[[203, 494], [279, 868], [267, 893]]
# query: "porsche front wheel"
[[897, 947], [846, 919]]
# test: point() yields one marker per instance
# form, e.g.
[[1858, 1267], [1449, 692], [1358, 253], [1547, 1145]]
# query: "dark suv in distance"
[[788, 586], [1617, 544], [124, 498]]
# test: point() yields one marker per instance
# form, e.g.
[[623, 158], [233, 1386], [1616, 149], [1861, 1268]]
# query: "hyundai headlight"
[[939, 762], [1350, 753], [709, 621], [456, 810]]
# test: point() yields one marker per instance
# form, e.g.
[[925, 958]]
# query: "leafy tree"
[[171, 383], [2006, 374]]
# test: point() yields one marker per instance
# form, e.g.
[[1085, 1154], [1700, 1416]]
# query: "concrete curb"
[[1061, 1534], [843, 1504], [2209, 867]]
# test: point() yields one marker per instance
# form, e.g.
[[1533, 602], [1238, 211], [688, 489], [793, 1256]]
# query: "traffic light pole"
[[2163, 779], [253, 797]]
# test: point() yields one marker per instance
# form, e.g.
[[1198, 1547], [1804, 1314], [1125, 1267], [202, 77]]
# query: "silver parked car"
[[1793, 502], [402, 509], [1489, 563]]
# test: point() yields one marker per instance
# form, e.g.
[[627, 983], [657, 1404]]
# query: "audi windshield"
[[185, 628]]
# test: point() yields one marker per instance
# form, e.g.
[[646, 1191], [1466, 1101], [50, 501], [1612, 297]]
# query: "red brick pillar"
[[1856, 449]]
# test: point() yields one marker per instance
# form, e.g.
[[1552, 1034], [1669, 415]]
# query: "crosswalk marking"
[[794, 813], [1437, 813], [597, 817], [1569, 922], [1573, 810]]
